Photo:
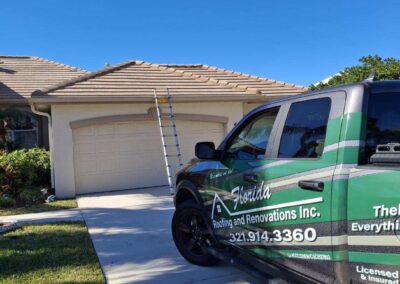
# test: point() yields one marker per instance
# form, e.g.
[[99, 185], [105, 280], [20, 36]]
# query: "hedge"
[[23, 173]]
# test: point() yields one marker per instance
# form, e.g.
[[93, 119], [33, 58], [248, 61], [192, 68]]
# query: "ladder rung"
[[171, 145], [178, 165], [178, 155], [172, 126], [167, 115], [164, 107], [164, 97], [170, 135]]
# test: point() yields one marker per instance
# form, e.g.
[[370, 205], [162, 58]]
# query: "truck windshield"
[[383, 123]]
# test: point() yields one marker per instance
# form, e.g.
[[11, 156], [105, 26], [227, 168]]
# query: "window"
[[305, 129], [252, 141], [20, 129], [383, 123]]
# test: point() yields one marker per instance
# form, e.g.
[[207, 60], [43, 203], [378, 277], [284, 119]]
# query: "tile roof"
[[21, 75], [136, 80], [265, 86]]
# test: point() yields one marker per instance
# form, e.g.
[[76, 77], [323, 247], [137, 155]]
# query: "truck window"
[[383, 122], [251, 142], [305, 129]]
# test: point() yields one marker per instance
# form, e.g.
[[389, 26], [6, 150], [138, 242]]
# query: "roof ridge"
[[85, 77], [69, 67], [15, 56], [208, 79], [181, 65], [59, 64], [252, 76]]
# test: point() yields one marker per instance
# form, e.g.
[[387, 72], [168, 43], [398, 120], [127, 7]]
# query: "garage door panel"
[[107, 165], [105, 147], [120, 156], [126, 129], [85, 148], [127, 164], [145, 129], [105, 130], [87, 166], [197, 132], [131, 146], [81, 133]]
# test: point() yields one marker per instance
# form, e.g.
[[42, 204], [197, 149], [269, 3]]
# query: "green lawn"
[[49, 253], [57, 205]]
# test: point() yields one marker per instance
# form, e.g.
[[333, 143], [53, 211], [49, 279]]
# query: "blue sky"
[[294, 41]]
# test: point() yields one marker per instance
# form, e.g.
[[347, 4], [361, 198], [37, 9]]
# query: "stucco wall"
[[62, 133], [247, 107]]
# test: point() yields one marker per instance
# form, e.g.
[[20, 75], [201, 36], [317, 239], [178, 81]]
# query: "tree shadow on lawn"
[[42, 251]]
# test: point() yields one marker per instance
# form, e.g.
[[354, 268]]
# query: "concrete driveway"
[[132, 237]]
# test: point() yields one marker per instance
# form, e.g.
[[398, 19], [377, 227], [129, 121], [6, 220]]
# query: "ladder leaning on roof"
[[169, 137]]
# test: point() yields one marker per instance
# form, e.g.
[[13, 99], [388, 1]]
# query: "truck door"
[[374, 196], [300, 176], [235, 175]]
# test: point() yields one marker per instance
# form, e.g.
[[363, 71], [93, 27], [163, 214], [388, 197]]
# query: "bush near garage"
[[23, 173]]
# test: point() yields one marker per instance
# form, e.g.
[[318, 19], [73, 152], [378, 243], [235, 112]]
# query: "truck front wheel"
[[191, 234]]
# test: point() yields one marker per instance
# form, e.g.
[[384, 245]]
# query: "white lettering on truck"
[[257, 193], [382, 211]]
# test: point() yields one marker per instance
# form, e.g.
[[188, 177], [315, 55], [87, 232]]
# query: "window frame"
[[338, 100], [251, 117]]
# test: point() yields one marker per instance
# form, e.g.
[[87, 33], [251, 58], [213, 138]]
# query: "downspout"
[[49, 120]]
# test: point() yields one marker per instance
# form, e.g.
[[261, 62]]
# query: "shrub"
[[6, 201], [27, 167], [22, 169], [31, 196]]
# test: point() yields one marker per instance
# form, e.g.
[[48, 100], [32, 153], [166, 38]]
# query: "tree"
[[385, 69]]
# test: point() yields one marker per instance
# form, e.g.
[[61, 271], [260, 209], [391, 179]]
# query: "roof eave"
[[4, 102], [147, 99]]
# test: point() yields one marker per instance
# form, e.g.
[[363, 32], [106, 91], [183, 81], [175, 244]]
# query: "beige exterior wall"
[[247, 107], [62, 115]]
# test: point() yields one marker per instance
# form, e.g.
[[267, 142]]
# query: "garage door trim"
[[150, 116]]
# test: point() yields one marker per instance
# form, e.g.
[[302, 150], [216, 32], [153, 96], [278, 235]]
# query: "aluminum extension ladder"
[[169, 137]]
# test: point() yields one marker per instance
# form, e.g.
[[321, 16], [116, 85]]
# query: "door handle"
[[250, 178], [312, 185]]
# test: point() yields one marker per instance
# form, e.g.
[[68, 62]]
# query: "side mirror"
[[205, 150]]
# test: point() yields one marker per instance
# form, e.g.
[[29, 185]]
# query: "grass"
[[49, 253], [57, 205]]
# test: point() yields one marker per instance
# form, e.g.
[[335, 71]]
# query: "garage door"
[[128, 155]]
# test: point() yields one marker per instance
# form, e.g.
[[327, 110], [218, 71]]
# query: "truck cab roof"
[[382, 86]]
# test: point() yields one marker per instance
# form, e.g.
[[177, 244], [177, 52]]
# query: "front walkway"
[[68, 215], [132, 237]]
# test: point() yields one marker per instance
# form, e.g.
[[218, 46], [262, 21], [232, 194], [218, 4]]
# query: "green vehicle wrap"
[[347, 232]]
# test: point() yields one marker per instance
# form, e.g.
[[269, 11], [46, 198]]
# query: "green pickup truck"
[[307, 188]]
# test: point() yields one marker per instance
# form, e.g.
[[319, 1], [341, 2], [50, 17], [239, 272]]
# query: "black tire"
[[192, 235]]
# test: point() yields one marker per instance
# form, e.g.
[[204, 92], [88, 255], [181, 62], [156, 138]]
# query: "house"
[[19, 77], [103, 124], [104, 130]]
